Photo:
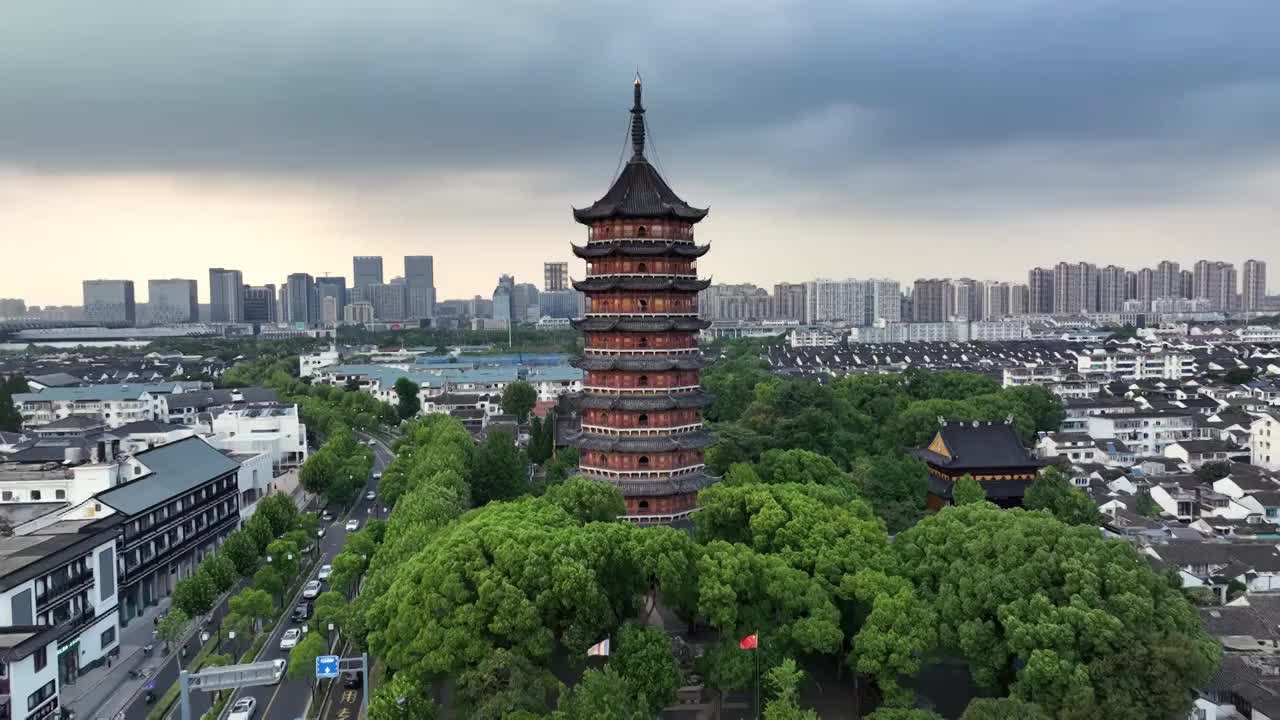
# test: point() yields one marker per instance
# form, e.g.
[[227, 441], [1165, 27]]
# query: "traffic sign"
[[326, 666]]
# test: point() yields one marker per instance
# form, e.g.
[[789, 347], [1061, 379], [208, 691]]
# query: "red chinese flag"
[[748, 642]]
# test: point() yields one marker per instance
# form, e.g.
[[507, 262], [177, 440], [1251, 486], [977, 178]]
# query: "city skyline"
[[910, 140]]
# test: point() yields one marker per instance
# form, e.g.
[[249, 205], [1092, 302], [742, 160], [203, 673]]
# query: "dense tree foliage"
[[1080, 625], [339, 470], [10, 418], [408, 403], [587, 500], [499, 469], [1003, 709], [783, 682], [967, 490], [1052, 491], [518, 399]]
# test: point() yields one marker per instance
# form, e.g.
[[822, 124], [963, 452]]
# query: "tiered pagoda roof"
[[679, 485], [641, 325], [647, 403], [658, 443], [638, 249], [639, 191], [639, 363], [599, 284]]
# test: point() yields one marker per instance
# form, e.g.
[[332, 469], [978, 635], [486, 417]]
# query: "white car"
[[290, 638], [325, 572], [371, 495], [311, 589], [244, 709], [280, 665], [353, 525], [377, 476], [373, 443]]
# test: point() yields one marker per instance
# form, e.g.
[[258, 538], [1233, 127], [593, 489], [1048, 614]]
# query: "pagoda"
[[642, 396]]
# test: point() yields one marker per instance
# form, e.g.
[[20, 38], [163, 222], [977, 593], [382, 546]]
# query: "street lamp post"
[[231, 638], [330, 635]]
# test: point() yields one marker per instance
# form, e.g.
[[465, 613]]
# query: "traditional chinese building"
[[642, 398], [989, 451]]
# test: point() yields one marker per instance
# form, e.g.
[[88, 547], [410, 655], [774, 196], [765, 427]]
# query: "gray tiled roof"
[[176, 468]]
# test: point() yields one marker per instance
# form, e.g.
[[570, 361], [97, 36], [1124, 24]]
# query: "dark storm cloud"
[[810, 90]]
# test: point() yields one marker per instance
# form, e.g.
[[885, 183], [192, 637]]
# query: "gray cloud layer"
[[883, 97]]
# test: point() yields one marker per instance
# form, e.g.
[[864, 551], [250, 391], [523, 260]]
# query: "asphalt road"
[[288, 699]]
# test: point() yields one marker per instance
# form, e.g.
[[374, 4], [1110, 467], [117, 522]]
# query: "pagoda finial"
[[637, 122]]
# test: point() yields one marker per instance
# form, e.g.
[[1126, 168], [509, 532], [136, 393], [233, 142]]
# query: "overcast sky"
[[903, 138]]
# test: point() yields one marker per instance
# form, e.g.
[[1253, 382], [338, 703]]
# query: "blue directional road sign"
[[326, 666]]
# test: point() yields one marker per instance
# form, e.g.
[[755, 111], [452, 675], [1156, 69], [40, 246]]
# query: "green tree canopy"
[[254, 604], [603, 695], [1002, 709], [240, 549], [643, 658], [895, 485], [518, 399], [222, 572], [967, 490], [783, 682], [195, 594], [1052, 491], [173, 626], [302, 657], [499, 470], [408, 404], [587, 500], [1078, 624]]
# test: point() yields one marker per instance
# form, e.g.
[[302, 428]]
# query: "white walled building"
[[1130, 365], [1264, 442], [308, 364], [274, 429], [114, 405]]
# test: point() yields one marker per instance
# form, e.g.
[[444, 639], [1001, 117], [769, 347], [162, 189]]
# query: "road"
[[288, 699]]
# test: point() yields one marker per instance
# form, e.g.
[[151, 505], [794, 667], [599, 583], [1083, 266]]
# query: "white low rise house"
[[114, 405], [1264, 442], [256, 479], [308, 364], [1146, 433], [274, 429]]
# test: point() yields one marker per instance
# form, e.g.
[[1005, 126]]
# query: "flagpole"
[[757, 661]]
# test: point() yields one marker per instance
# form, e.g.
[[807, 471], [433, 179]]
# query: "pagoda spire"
[[637, 122]]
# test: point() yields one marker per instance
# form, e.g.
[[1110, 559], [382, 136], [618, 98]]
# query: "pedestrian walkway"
[[90, 692]]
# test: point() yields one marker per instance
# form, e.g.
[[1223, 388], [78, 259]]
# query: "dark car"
[[352, 678], [301, 612]]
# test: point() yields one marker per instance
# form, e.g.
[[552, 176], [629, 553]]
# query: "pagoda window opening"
[[642, 231], [643, 505], [644, 342], [644, 306], [644, 381], [644, 461], [643, 420], [642, 268]]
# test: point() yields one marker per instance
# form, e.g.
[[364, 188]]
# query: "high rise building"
[[1145, 288], [1254, 289], [260, 304], [1215, 281], [328, 286], [302, 300], [642, 401], [1111, 289], [1130, 285], [735, 302], [503, 308], [999, 301], [358, 313], [226, 296], [365, 270], [1019, 300], [835, 301], [1187, 286], [419, 276], [970, 299], [789, 301], [390, 302], [282, 307], [1075, 288], [561, 304], [12, 307], [555, 276], [1040, 291], [172, 301], [110, 302], [933, 300], [1166, 280], [329, 315], [884, 301], [524, 303]]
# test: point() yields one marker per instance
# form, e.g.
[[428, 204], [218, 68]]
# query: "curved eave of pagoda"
[[638, 325], [660, 487], [607, 249], [661, 443], [640, 363], [596, 213], [601, 284], [649, 403]]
